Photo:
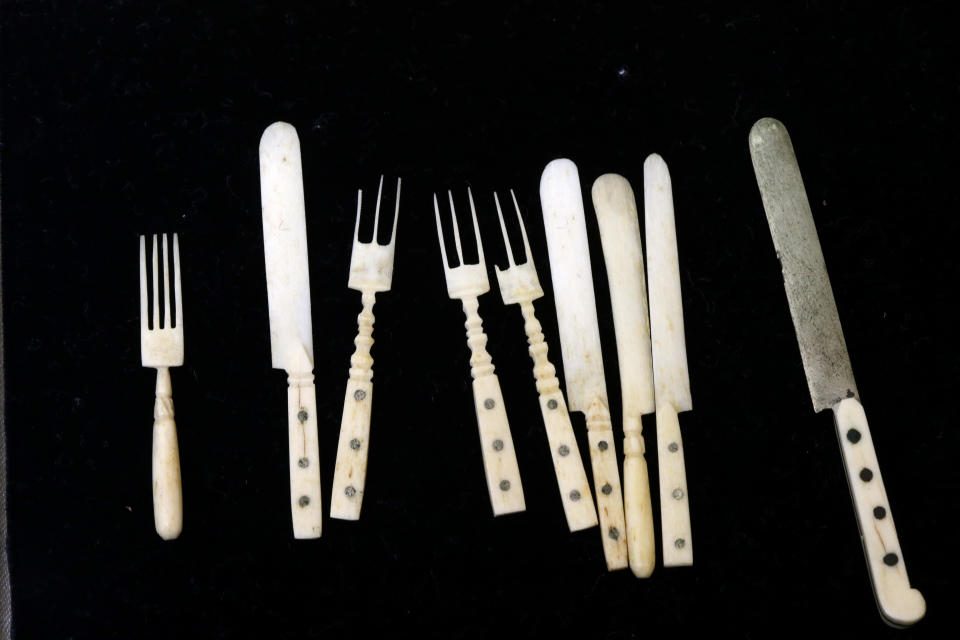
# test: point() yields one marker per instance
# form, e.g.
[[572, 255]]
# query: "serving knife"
[[670, 376], [827, 364], [616, 210], [291, 330], [572, 277]]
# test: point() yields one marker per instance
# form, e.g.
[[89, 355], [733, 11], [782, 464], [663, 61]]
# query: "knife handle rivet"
[[677, 494], [504, 485], [498, 445], [303, 415], [866, 475], [891, 559], [303, 463], [355, 444], [614, 533], [303, 501], [879, 513], [563, 450], [679, 543], [489, 404], [552, 404], [359, 395], [602, 445], [350, 491], [574, 495], [673, 447], [853, 436], [606, 489]]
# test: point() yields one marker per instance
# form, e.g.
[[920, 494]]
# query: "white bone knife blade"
[[827, 363], [288, 297], [572, 276], [670, 376], [616, 209]]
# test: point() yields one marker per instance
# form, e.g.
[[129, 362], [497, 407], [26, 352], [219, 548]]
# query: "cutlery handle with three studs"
[[606, 481], [304, 453], [674, 501]]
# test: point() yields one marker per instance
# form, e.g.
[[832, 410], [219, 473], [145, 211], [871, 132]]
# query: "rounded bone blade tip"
[[655, 171], [766, 130], [279, 133], [557, 168], [611, 189]]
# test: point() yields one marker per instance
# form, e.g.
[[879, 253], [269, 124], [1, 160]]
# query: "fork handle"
[[304, 456], [167, 491], [349, 476]]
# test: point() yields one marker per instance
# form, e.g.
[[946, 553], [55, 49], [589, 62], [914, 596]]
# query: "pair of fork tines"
[[516, 281]]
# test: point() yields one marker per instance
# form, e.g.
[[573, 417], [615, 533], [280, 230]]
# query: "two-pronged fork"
[[161, 347], [371, 271], [519, 284], [466, 282]]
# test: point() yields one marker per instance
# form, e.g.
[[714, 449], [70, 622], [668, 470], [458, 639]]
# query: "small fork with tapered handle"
[[161, 347], [466, 282], [519, 284], [371, 271]]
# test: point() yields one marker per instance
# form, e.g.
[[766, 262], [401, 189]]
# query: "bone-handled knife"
[[616, 210], [572, 276], [291, 330], [827, 363], [671, 379]]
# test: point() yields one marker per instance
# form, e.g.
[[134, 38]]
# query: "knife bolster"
[[304, 452]]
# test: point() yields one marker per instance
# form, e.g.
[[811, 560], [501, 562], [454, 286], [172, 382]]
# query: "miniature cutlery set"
[[651, 354]]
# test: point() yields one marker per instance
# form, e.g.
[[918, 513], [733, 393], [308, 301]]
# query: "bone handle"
[[606, 480], [674, 501], [304, 456], [900, 604], [636, 500], [349, 476], [496, 443], [167, 491], [571, 477]]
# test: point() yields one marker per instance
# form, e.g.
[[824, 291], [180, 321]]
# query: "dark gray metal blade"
[[822, 347]]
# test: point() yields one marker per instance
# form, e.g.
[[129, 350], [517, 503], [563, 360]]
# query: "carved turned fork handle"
[[167, 491]]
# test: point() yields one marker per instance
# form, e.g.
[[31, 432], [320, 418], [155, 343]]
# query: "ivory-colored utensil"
[[519, 284], [161, 347], [616, 211], [827, 364], [466, 282], [670, 376], [291, 329], [572, 276], [371, 271]]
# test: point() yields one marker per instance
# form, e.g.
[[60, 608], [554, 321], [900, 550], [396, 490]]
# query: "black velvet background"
[[122, 118]]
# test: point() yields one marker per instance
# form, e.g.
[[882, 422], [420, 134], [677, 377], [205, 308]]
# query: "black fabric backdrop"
[[122, 118]]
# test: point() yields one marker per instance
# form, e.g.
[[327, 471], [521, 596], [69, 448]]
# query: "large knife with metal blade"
[[291, 330], [572, 276], [671, 379], [827, 363], [616, 210]]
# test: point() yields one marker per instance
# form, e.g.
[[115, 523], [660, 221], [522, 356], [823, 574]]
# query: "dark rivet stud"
[[350, 491], [498, 445], [563, 450], [303, 501], [574, 495], [879, 513], [359, 395], [606, 489], [504, 485], [677, 494], [489, 404], [866, 475], [303, 463], [355, 444], [679, 543], [891, 559], [602, 445], [853, 436], [673, 447], [552, 404], [303, 415], [614, 533]]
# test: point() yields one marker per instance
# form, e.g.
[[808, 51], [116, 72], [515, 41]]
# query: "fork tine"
[[443, 249], [456, 230], [376, 215], [396, 214], [156, 288], [523, 229], [176, 281], [476, 229], [167, 315], [144, 322], [503, 228], [356, 227]]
